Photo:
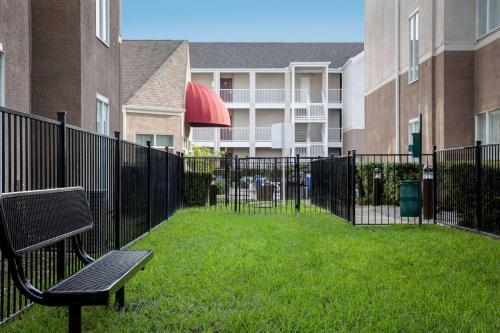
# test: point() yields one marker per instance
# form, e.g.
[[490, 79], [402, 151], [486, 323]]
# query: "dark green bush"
[[195, 188], [457, 193], [392, 175]]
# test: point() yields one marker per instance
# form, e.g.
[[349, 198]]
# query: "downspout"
[[397, 109]]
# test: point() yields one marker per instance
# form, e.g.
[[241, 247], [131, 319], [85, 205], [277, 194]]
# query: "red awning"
[[204, 108]]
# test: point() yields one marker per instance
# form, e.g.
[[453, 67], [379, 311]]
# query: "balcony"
[[334, 134], [186, 144], [204, 134], [310, 112], [313, 149], [270, 96], [235, 95], [334, 95], [233, 134], [301, 96], [263, 134]]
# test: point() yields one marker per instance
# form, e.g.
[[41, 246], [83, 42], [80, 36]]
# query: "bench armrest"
[[80, 252]]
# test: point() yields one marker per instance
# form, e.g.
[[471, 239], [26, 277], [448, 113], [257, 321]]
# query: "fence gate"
[[250, 184]]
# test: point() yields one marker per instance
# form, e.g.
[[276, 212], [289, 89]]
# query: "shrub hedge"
[[195, 188], [392, 175]]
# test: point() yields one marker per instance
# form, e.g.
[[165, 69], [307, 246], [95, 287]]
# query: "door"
[[305, 86], [226, 86]]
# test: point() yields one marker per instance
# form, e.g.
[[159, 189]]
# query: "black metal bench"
[[34, 219]]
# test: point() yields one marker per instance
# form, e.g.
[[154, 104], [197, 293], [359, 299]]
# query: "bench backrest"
[[34, 219]]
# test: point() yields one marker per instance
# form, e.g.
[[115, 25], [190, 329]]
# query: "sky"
[[244, 20]]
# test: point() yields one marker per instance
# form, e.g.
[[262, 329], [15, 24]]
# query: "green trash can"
[[409, 198]]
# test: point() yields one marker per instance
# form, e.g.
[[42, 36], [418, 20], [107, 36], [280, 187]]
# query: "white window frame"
[[153, 144], [102, 20], [487, 22], [2, 78], [413, 46], [487, 126], [104, 101]]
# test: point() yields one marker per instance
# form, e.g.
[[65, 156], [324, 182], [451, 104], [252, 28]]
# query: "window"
[[102, 108], [488, 16], [2, 79], [165, 141], [413, 61], [102, 20], [143, 139], [157, 140], [488, 127]]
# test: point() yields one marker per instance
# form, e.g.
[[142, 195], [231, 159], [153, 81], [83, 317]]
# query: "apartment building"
[[15, 54], [62, 56], [284, 98], [76, 62], [154, 77], [437, 58]]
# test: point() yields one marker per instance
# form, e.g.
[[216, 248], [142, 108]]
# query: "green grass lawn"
[[309, 272]]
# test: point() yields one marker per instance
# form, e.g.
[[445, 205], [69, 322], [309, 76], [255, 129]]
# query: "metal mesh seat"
[[101, 278]]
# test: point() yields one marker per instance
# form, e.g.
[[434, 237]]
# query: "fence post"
[[349, 187], [148, 143], [434, 184], [181, 165], [62, 181], [478, 187], [226, 180], [167, 183], [118, 191], [236, 182], [353, 184], [332, 183], [297, 183]]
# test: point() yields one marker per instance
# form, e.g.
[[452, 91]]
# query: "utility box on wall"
[[415, 149]]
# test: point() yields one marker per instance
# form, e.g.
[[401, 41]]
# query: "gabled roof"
[[269, 55], [141, 59]]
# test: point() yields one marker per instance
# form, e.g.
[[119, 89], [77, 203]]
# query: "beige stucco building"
[[154, 76], [439, 58], [283, 98]]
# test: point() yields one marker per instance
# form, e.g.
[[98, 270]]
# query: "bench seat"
[[96, 282]]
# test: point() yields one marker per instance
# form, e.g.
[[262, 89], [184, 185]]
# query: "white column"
[[252, 114], [287, 116], [325, 106]]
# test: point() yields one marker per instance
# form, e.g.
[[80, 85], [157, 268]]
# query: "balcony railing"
[[235, 95], [334, 134], [235, 134], [270, 96], [204, 133], [263, 134], [186, 144], [334, 95], [310, 149], [311, 111], [301, 96]]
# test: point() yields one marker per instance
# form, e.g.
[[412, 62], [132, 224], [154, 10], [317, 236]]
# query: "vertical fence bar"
[[297, 183], [118, 190], [353, 186], [478, 186], [434, 184], [149, 195], [236, 182], [61, 182], [167, 181]]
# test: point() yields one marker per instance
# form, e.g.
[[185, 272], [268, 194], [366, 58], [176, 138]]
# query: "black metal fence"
[[468, 188], [332, 187], [248, 185], [130, 188]]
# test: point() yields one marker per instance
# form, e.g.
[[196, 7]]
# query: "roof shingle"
[[269, 55]]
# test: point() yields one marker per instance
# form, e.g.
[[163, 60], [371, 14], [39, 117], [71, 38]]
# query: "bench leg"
[[120, 298], [75, 319]]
